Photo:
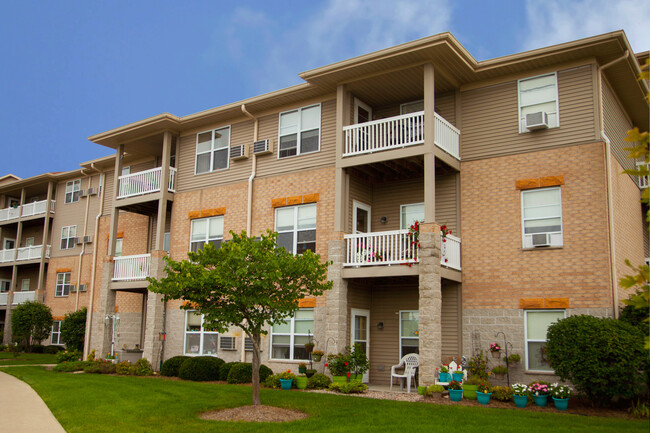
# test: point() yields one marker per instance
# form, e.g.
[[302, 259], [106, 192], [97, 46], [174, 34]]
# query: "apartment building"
[[520, 157]]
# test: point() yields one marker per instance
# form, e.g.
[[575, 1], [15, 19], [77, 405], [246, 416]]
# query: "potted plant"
[[302, 368], [512, 359], [458, 375], [359, 365], [500, 371], [435, 391], [310, 372], [560, 394], [444, 375], [483, 393], [471, 386], [455, 390], [309, 347], [495, 350], [286, 379], [520, 394], [539, 390], [339, 366], [301, 382], [317, 355]]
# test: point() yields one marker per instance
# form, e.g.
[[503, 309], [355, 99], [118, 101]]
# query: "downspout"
[[623, 57], [89, 314], [610, 217], [83, 245], [249, 210]]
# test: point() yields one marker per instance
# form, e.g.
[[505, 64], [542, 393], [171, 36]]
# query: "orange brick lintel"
[[541, 182], [58, 317], [307, 303], [60, 270], [295, 200], [543, 303], [203, 213], [119, 235]]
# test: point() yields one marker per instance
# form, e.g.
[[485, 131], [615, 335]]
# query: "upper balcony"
[[144, 182], [24, 254], [28, 210], [131, 268]]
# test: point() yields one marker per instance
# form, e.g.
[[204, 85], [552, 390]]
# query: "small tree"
[[31, 323], [248, 282], [73, 329]]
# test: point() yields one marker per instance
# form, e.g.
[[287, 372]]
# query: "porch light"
[[383, 220], [380, 325]]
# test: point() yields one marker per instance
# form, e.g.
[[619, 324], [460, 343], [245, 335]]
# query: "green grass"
[[7, 358], [84, 402]]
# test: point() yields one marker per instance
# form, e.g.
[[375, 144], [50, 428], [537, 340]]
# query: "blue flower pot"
[[483, 398], [458, 376], [286, 383], [444, 377], [561, 403], [521, 400], [456, 394], [540, 400]]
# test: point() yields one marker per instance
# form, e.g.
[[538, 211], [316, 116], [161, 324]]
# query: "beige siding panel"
[[384, 112], [490, 118], [108, 193], [361, 192], [449, 319], [446, 107], [32, 230], [387, 199], [446, 200], [142, 166], [616, 125]]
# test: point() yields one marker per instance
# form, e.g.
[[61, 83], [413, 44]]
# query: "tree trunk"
[[256, 368]]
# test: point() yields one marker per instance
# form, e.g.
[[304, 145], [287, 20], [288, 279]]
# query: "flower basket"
[[458, 376], [483, 398], [521, 400], [286, 384], [456, 394], [561, 403], [444, 377], [316, 356]]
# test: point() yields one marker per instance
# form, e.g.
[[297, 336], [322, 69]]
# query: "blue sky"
[[72, 69]]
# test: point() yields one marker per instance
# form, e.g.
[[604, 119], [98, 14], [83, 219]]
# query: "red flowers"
[[348, 371], [325, 365], [346, 363]]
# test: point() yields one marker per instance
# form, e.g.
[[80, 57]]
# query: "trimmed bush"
[[351, 387], [100, 367], [242, 372], [603, 358], [201, 368], [143, 368], [37, 348], [502, 393], [318, 381], [225, 369], [52, 350], [123, 368], [265, 372], [67, 367], [172, 365], [272, 381], [68, 355]]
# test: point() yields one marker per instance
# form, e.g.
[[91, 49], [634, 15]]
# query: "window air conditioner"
[[83, 287], [541, 239], [239, 152], [248, 345], [227, 343], [262, 147], [87, 239], [538, 120], [83, 193], [91, 191], [73, 289]]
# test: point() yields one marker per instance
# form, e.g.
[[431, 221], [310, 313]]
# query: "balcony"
[[25, 253], [644, 181], [396, 247], [144, 182], [4, 298], [131, 268], [30, 209], [398, 132], [21, 297]]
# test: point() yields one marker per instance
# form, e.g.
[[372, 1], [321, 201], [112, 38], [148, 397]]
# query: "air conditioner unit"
[[227, 343], [87, 239], [262, 147], [83, 287], [79, 240], [91, 191], [248, 345], [541, 239], [538, 120], [239, 152], [73, 289], [82, 193]]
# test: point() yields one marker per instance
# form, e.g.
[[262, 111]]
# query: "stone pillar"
[[6, 339], [337, 299], [101, 334], [430, 300], [154, 321]]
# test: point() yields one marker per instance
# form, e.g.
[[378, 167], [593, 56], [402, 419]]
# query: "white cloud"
[[552, 22]]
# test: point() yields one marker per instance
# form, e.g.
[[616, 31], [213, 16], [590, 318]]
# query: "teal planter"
[[540, 400], [483, 398], [561, 403], [444, 377], [458, 376], [286, 383], [521, 400], [456, 394]]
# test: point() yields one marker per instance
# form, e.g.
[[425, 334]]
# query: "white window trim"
[[57, 285], [400, 330], [526, 340], [299, 130], [22, 285], [401, 213], [522, 127], [292, 336], [28, 241], [356, 205], [523, 220], [4, 243], [295, 229], [58, 334], [76, 187], [200, 333], [359, 103], [207, 230], [211, 151], [2, 280], [68, 247]]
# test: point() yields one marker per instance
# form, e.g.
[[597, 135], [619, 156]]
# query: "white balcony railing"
[[9, 213], [144, 182], [37, 208], [450, 252], [33, 252], [399, 131], [380, 248], [4, 298], [7, 255], [131, 268], [20, 297]]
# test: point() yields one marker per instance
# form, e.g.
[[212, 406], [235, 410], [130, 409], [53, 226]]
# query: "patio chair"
[[410, 364]]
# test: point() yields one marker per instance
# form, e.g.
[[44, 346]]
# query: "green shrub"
[[53, 349], [73, 329], [143, 367], [351, 387], [478, 365], [172, 365], [123, 368], [69, 366], [201, 368], [242, 372], [318, 381], [500, 369], [477, 380], [100, 367], [37, 348], [68, 355], [225, 369], [434, 389], [502, 393], [636, 317], [603, 358], [265, 372], [273, 381]]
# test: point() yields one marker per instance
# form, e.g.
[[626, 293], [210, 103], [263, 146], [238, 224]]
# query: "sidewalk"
[[22, 410]]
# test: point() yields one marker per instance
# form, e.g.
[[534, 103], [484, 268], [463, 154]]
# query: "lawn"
[[97, 403], [7, 358]]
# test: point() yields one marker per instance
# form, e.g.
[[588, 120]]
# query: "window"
[[212, 150], [409, 336], [5, 285], [118, 247], [24, 285], [166, 241], [72, 191], [29, 242], [539, 94], [410, 213], [198, 339], [299, 131], [288, 338], [126, 170], [62, 284], [68, 237], [541, 212], [296, 227], [412, 107], [537, 323], [206, 230], [56, 332]]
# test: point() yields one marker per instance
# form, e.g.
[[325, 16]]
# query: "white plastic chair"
[[410, 363]]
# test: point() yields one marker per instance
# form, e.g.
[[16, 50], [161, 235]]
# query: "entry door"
[[362, 111], [361, 332], [9, 244], [361, 217]]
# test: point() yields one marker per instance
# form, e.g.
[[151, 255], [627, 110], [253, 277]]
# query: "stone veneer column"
[[430, 300], [154, 320], [337, 299], [100, 336]]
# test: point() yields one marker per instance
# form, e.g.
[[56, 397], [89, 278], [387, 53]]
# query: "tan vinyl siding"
[[445, 106], [446, 202], [108, 193], [616, 125], [491, 119], [361, 192], [32, 230], [153, 229], [450, 322]]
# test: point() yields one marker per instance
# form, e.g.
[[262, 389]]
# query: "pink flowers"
[[494, 347]]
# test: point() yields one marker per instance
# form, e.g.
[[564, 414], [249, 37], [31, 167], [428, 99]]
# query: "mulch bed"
[[254, 414]]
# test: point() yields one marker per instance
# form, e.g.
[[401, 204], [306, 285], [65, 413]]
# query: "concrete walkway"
[[22, 410]]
